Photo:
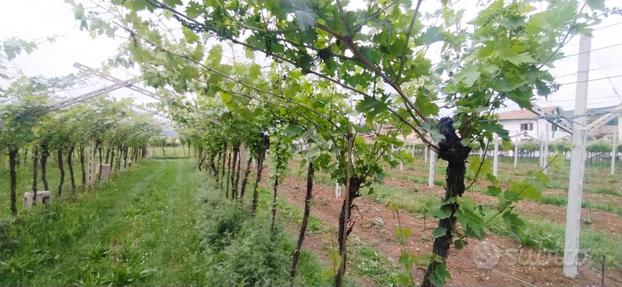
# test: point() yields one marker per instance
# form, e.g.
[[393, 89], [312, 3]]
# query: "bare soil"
[[600, 220], [513, 268]]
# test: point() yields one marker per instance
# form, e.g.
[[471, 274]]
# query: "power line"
[[590, 70], [613, 87], [571, 100], [592, 50], [590, 80], [608, 26]]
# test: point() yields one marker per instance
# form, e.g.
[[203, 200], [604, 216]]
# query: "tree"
[[17, 121]]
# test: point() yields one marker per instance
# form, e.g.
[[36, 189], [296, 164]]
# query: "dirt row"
[[514, 268], [482, 184], [600, 220]]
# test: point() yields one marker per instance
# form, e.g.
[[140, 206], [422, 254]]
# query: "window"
[[526, 126]]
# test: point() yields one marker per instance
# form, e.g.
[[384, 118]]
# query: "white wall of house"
[[536, 129]]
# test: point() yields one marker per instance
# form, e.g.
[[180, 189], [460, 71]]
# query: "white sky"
[[38, 19]]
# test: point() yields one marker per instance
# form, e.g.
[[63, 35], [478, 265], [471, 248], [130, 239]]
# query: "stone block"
[[43, 197], [105, 172]]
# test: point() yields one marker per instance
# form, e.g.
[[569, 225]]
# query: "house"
[[608, 131], [525, 125], [529, 126]]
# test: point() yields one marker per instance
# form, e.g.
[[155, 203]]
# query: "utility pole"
[[577, 162]]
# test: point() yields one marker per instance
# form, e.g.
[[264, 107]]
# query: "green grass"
[[549, 237], [294, 214], [242, 245], [367, 261], [608, 191], [413, 201], [149, 226], [24, 180], [170, 152], [597, 177], [612, 207], [130, 230]]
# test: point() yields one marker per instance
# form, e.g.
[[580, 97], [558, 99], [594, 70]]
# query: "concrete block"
[[105, 171], [43, 197]]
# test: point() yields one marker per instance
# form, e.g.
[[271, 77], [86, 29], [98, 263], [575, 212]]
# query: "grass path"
[[138, 229]]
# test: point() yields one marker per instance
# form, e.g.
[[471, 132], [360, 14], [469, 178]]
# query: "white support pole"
[[495, 157], [545, 149], [516, 152], [425, 153], [90, 163], [577, 162], [337, 190], [613, 155], [541, 150], [432, 170], [401, 162]]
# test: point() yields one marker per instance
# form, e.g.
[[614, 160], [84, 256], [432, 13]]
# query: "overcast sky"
[[38, 19]]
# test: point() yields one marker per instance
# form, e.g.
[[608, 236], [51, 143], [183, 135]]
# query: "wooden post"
[[577, 162], [432, 168]]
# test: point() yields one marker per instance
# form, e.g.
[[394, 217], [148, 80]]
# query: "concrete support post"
[[541, 151], [577, 162], [432, 170], [545, 149], [612, 171], [495, 158], [105, 172], [401, 163], [516, 153], [337, 190], [90, 164]]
